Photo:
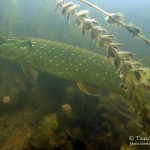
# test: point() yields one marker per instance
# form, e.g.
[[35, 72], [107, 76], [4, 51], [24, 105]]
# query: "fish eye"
[[1, 40]]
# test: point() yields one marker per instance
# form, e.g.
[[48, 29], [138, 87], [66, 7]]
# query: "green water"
[[52, 113]]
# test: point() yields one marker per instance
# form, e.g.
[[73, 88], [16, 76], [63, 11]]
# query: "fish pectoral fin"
[[31, 73], [88, 89]]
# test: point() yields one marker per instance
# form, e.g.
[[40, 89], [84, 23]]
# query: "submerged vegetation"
[[134, 77], [116, 20], [68, 121], [53, 114]]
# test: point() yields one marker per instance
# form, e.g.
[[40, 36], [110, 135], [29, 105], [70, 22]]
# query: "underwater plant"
[[127, 147], [66, 110], [135, 79], [49, 124], [116, 20]]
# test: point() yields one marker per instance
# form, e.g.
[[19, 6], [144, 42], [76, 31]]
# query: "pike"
[[88, 69]]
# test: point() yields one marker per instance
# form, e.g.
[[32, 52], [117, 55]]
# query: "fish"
[[61, 60]]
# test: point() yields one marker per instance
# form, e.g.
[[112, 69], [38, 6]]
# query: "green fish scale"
[[74, 63]]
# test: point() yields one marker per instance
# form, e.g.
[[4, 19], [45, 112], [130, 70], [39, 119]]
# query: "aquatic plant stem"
[[140, 36], [97, 8], [143, 38]]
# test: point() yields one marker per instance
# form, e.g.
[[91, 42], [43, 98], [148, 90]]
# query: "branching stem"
[[146, 40]]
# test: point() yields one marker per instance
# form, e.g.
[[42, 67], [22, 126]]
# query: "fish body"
[[62, 60]]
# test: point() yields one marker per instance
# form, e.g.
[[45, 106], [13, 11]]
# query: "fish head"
[[14, 48]]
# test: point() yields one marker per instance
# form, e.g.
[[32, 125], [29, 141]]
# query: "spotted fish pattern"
[[62, 60]]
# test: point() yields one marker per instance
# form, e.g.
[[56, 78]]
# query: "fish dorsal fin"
[[88, 89], [31, 73]]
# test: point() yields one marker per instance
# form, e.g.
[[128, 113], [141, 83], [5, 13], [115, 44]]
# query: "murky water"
[[52, 113]]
